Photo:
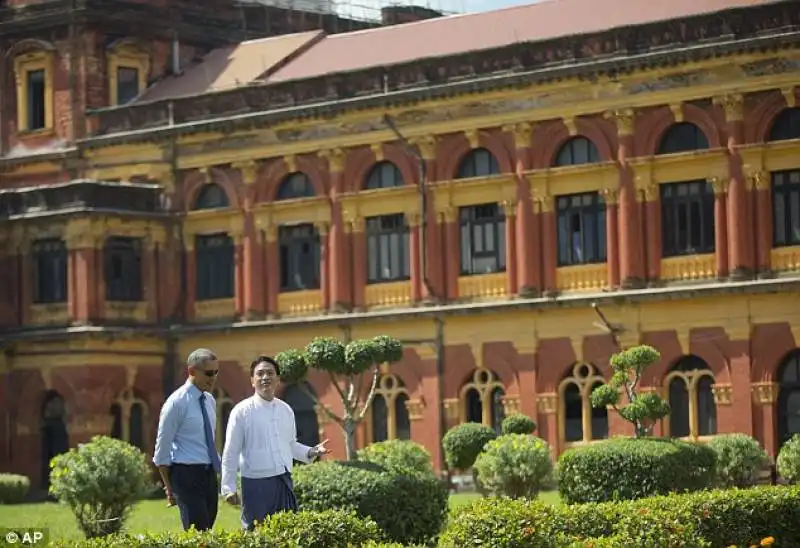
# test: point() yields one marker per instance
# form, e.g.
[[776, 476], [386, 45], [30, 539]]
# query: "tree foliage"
[[346, 365], [642, 410]]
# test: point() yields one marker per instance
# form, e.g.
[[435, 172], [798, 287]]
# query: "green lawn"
[[150, 515]]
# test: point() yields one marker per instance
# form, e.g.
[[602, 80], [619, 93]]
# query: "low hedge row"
[[13, 488], [740, 517]]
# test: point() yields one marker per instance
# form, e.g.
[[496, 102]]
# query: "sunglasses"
[[211, 372]]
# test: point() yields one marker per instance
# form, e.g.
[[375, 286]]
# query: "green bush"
[[409, 508], [629, 468], [739, 459], [13, 488], [515, 465], [788, 462], [402, 456], [741, 517], [463, 443], [332, 528], [100, 481], [518, 423]]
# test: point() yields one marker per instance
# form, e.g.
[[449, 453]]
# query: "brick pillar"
[[740, 259], [631, 248], [325, 276], [338, 248], [238, 274], [651, 227], [191, 275], [358, 277], [611, 198], [510, 210], [448, 219], [720, 187], [85, 273], [761, 185], [150, 271], [434, 257], [527, 249], [270, 265], [254, 273], [765, 399], [549, 245], [25, 283], [415, 262], [548, 420]]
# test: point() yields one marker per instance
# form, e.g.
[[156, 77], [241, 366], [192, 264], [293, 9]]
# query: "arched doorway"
[[305, 413], [54, 435], [789, 397]]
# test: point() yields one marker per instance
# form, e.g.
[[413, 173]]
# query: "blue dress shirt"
[[181, 438]]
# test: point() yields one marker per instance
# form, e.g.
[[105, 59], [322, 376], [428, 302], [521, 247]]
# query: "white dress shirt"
[[261, 440]]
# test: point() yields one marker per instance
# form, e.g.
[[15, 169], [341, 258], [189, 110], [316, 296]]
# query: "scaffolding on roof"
[[359, 10]]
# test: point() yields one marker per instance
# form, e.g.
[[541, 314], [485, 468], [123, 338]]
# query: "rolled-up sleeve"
[[234, 441], [167, 429], [299, 451]]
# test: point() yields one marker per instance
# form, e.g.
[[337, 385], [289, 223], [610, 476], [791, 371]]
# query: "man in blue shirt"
[[185, 453]]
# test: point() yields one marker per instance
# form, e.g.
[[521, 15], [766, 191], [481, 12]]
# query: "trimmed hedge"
[[629, 468], [13, 488], [409, 508], [741, 517], [332, 528], [401, 456]]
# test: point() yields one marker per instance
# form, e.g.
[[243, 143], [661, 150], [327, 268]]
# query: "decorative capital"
[[426, 145], [723, 394], [353, 223], [650, 192], [291, 163], [412, 219], [474, 137], [543, 201], [677, 112], [759, 180], [377, 150], [451, 409], [732, 105], [335, 157], [790, 95], [610, 196], [415, 409], [81, 234], [511, 405], [547, 403], [521, 133], [249, 171], [509, 208], [572, 127], [322, 227], [719, 184], [625, 119], [446, 214], [765, 393]]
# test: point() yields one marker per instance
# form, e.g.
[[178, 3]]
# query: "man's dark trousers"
[[196, 494]]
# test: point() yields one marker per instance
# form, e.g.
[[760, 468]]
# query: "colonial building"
[[472, 185]]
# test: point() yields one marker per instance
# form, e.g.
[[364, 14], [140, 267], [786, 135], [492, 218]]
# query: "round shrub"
[[100, 481], [13, 488], [401, 456], [629, 468], [788, 462], [515, 465], [518, 424], [463, 443], [739, 459], [409, 508]]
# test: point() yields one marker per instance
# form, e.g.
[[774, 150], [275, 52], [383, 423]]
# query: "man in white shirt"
[[261, 439]]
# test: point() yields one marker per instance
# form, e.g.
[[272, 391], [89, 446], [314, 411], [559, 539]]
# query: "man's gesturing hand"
[[318, 450]]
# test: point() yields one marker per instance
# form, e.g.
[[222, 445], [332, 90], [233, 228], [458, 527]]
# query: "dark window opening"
[[387, 249], [215, 267], [478, 163], [50, 271], [127, 84], [687, 218], [296, 185], [483, 239], [682, 137], [123, 269], [786, 208], [384, 175], [37, 107], [581, 229], [300, 257], [577, 151]]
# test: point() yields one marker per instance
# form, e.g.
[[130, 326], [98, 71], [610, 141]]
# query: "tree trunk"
[[350, 440]]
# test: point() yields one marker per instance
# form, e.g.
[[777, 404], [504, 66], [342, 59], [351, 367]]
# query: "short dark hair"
[[262, 359]]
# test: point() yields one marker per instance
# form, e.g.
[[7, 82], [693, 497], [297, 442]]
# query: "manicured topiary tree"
[[517, 423], [347, 365], [642, 410]]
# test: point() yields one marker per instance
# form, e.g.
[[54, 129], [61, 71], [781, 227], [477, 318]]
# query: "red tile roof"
[[232, 66], [459, 34]]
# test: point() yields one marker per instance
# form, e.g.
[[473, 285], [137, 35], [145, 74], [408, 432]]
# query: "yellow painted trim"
[[450, 195], [128, 311], [389, 294], [585, 277], [49, 314], [560, 181], [651, 171], [23, 64], [484, 382], [584, 385], [483, 286], [212, 221], [215, 309], [785, 259], [689, 267], [270, 216], [126, 57], [691, 379], [299, 303], [383, 201]]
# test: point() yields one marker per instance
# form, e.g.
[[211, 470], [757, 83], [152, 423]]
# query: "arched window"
[[690, 395], [579, 422], [304, 404], [296, 185], [786, 125], [789, 397], [224, 408], [682, 137], [389, 418], [482, 399], [54, 433], [211, 196], [478, 162], [576, 151], [129, 419], [383, 175]]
